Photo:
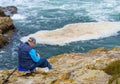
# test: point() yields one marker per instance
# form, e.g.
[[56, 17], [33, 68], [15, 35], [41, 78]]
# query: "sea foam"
[[18, 17], [76, 32]]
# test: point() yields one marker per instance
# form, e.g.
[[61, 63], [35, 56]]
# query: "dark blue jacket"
[[24, 59]]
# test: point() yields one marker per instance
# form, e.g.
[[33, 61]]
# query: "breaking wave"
[[18, 17]]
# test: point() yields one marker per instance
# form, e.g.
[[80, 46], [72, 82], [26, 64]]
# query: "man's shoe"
[[46, 69]]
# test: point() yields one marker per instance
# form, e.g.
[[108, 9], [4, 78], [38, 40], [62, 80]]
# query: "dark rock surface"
[[9, 10]]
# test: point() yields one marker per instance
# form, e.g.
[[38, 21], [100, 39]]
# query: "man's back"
[[25, 60]]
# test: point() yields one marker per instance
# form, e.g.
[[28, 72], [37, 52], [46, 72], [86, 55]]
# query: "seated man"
[[28, 58]]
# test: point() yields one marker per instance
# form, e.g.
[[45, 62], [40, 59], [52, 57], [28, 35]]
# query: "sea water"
[[49, 17]]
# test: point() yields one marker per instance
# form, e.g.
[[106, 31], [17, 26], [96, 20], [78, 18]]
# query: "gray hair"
[[32, 39]]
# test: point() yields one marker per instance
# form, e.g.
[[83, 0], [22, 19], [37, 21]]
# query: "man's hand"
[[38, 54]]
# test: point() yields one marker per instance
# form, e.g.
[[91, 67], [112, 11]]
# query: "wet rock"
[[2, 14], [3, 41], [6, 24], [9, 10]]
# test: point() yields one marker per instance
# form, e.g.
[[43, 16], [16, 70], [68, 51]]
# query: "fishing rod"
[[6, 79]]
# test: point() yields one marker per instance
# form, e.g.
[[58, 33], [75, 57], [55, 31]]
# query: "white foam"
[[76, 32], [2, 51], [18, 17]]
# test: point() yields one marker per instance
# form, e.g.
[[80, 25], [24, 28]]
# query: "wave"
[[76, 32], [2, 51], [106, 10], [18, 17]]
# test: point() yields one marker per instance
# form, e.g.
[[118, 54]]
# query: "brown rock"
[[6, 24], [2, 13], [73, 68], [98, 50], [3, 41]]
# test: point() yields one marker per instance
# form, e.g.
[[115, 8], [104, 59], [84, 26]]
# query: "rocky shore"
[[93, 67], [6, 24], [72, 68]]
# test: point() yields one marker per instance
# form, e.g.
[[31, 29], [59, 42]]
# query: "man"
[[28, 58]]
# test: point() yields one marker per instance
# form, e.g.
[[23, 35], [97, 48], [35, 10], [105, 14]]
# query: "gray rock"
[[9, 10]]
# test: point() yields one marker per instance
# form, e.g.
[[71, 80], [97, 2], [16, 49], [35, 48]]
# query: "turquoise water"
[[36, 15]]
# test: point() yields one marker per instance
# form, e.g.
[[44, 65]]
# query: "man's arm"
[[33, 55]]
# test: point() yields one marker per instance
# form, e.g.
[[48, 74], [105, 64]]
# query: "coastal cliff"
[[72, 68]]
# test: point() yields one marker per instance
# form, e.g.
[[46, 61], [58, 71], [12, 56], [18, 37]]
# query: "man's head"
[[32, 41]]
